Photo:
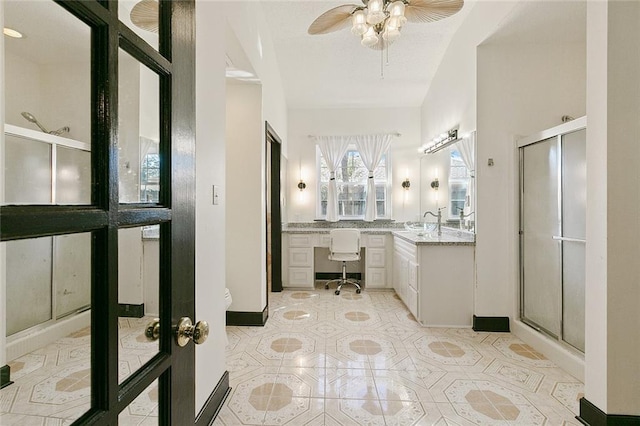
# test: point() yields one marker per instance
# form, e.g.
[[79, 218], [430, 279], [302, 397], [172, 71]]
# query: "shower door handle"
[[572, 240]]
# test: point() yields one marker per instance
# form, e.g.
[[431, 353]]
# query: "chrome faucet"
[[439, 216], [462, 216]]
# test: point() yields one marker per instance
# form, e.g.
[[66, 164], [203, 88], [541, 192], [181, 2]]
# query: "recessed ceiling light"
[[12, 33]]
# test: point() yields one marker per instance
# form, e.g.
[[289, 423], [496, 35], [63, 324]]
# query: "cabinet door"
[[376, 278], [376, 257], [413, 275], [300, 257], [301, 277]]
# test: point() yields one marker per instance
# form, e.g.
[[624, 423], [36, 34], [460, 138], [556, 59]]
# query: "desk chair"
[[344, 247]]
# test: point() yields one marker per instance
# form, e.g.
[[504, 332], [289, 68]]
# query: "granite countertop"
[[449, 237], [325, 230]]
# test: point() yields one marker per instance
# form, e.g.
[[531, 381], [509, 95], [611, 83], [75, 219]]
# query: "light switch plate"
[[216, 198]]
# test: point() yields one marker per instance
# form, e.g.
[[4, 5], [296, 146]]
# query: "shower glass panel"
[[27, 171], [553, 194], [73, 176], [72, 273], [574, 198], [540, 216], [28, 283], [138, 131], [138, 296]]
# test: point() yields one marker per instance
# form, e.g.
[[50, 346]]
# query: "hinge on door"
[[521, 232]]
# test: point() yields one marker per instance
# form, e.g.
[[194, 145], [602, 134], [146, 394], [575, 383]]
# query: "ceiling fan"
[[378, 22]]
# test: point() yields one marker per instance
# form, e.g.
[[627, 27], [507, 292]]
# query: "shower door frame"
[[556, 132]]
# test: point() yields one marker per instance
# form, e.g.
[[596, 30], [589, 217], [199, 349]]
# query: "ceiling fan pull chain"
[[382, 64]]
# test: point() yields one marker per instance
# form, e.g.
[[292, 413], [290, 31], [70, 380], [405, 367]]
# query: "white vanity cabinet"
[[376, 260], [435, 280], [298, 258]]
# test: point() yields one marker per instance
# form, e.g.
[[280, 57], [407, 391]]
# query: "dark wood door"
[[170, 367]]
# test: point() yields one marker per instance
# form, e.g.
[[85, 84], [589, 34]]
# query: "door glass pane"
[[541, 253], [138, 131], [28, 283], [49, 330], [48, 70], [138, 296], [73, 176], [574, 198], [143, 411], [142, 18], [27, 171]]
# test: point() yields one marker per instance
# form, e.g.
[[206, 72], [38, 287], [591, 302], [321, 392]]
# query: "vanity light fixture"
[[442, 141], [406, 184], [301, 185], [10, 32]]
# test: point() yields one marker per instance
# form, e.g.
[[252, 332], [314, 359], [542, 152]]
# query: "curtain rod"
[[398, 134]]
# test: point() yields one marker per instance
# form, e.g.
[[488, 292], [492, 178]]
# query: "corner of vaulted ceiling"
[[483, 19]]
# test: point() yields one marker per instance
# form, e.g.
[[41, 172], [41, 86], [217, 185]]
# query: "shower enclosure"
[[552, 231], [48, 278]]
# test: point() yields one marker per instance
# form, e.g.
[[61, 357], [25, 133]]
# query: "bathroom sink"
[[421, 228]]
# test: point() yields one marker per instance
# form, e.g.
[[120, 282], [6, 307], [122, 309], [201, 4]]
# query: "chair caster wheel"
[[337, 292], [358, 291], [326, 286]]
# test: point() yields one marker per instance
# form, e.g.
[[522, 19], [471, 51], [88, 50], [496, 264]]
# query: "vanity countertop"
[[325, 230], [449, 237]]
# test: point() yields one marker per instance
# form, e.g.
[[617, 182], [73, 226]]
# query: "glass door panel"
[[138, 298], [541, 259], [139, 131], [143, 411], [574, 198], [48, 350]]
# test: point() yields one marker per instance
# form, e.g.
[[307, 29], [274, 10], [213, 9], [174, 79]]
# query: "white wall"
[[248, 25], [3, 282], [613, 229], [244, 202], [404, 153], [522, 89]]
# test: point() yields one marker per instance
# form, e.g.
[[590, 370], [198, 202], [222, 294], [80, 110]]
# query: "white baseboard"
[[43, 336]]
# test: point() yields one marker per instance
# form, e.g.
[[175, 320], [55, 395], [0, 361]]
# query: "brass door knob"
[[152, 331], [186, 330]]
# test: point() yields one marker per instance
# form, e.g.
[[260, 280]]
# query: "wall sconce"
[[406, 184], [435, 184], [301, 185]]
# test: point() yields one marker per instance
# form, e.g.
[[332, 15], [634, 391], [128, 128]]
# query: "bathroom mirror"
[[447, 182]]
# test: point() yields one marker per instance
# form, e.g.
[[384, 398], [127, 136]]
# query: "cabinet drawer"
[[301, 277], [376, 240], [376, 278], [301, 256], [324, 240], [301, 240], [376, 257]]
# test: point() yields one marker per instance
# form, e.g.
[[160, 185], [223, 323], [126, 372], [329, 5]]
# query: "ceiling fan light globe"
[[359, 23], [374, 18], [396, 8], [370, 38], [391, 35], [396, 21]]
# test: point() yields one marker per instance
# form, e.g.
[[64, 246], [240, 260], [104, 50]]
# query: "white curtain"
[[466, 148], [332, 148], [371, 149]]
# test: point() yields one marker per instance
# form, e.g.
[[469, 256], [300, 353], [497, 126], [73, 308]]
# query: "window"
[[351, 184], [150, 178], [458, 185]]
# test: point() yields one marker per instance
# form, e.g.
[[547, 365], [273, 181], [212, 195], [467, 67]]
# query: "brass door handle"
[[152, 331], [186, 330]]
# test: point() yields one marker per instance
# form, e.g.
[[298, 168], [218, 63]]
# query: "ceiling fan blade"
[[145, 15], [333, 20], [431, 10]]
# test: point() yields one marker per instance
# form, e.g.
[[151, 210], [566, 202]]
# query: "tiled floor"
[[362, 359], [328, 360], [52, 385]]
